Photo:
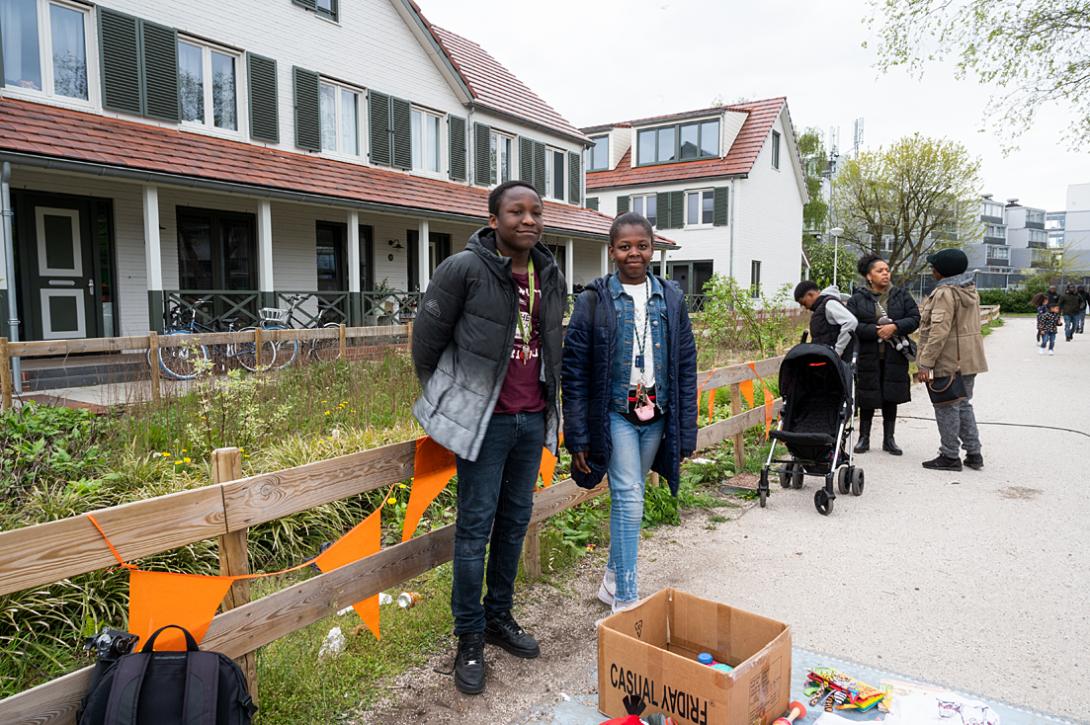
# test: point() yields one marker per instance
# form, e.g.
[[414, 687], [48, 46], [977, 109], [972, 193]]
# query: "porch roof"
[[44, 135]]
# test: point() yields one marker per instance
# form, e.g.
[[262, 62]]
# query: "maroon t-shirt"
[[523, 391]]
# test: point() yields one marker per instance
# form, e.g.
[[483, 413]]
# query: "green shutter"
[[677, 209], [592, 203], [160, 51], [264, 111], [539, 167], [575, 177], [482, 154], [662, 209], [720, 215], [624, 204], [308, 110], [456, 130], [119, 43], [401, 120], [378, 116], [526, 160]]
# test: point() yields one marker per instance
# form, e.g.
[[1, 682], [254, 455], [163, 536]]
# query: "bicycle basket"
[[273, 315]]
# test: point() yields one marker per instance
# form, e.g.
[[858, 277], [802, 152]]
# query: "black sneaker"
[[974, 461], [942, 463], [505, 632], [469, 664]]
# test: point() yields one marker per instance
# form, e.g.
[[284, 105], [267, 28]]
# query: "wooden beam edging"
[[45, 348], [722, 377]]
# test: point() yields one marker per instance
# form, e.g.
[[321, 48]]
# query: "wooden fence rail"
[[47, 553]]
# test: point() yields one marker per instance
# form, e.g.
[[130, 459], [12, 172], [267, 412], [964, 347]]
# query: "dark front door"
[[217, 257], [65, 266], [438, 250]]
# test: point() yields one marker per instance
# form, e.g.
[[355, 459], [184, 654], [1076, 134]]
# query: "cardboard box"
[[651, 650]]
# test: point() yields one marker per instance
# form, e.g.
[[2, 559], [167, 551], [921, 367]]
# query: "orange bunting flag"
[[769, 408], [746, 389], [364, 539], [157, 599], [711, 405], [548, 468], [433, 469]]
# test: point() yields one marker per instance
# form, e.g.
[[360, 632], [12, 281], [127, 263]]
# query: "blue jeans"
[[1071, 322], [634, 449], [495, 500], [1048, 339], [1080, 320]]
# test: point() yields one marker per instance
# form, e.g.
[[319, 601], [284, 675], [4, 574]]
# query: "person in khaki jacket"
[[950, 341]]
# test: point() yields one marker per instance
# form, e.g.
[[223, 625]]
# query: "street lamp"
[[836, 232]]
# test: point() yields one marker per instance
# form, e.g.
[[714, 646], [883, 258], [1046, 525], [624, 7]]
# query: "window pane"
[[433, 142], [558, 174], [637, 204], [647, 147], [505, 159], [709, 138], [418, 140], [667, 137], [19, 22], [350, 136], [690, 142], [191, 82], [599, 154], [69, 52], [547, 191], [493, 157], [326, 6], [652, 210], [693, 203], [328, 102], [223, 91], [707, 211]]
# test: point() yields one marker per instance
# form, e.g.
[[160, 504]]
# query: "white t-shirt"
[[638, 293]]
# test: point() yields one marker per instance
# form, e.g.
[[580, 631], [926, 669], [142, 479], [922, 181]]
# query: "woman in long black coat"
[[886, 314]]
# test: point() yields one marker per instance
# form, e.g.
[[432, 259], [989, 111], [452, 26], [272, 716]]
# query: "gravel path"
[[978, 580]]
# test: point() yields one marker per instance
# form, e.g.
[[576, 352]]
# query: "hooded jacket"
[[462, 340], [941, 335]]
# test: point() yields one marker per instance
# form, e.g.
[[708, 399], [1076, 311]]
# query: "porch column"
[[569, 264], [265, 284], [153, 258], [355, 299], [605, 259], [423, 266], [662, 263]]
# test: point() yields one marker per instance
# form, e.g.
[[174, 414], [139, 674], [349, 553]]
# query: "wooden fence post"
[[531, 552], [153, 353], [409, 335], [234, 555], [739, 438], [5, 375], [342, 342], [257, 347]]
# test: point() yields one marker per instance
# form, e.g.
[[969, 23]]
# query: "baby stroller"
[[816, 425]]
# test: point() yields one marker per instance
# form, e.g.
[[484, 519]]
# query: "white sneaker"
[[1040, 351], [607, 588], [621, 606], [1051, 352]]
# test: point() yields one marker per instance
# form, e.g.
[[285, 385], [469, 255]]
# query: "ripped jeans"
[[634, 449]]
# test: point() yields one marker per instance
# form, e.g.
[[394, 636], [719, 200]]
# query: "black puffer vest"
[[822, 331]]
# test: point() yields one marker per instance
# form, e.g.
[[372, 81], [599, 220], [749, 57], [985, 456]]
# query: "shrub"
[[735, 320]]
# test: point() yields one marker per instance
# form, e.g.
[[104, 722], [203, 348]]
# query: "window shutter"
[[539, 167], [575, 178], [264, 112], [526, 160], [160, 51], [456, 131], [592, 202], [401, 120], [662, 208], [120, 46], [378, 116], [482, 154], [677, 209], [720, 216], [624, 204], [308, 111]]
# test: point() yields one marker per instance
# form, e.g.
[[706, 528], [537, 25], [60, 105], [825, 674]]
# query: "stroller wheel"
[[799, 476], [843, 476], [787, 475], [762, 487], [856, 481], [823, 502]]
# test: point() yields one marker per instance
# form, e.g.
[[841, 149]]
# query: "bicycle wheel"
[[246, 353], [180, 362], [329, 348], [287, 351]]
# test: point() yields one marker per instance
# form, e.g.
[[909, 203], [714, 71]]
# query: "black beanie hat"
[[949, 262]]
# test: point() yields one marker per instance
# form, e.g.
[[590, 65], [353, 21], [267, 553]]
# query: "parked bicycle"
[[182, 362], [287, 351]]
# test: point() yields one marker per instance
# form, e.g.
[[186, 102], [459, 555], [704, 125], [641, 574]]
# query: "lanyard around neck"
[[530, 305]]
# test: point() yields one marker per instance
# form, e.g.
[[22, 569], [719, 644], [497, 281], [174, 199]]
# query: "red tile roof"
[[738, 161], [47, 131], [496, 88]]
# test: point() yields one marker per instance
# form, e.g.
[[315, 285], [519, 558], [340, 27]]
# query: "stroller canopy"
[[810, 368]]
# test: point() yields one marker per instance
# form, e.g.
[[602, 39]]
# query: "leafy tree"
[[920, 194], [1038, 51], [814, 162], [820, 254]]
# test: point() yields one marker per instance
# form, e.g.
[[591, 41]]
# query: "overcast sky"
[[598, 61]]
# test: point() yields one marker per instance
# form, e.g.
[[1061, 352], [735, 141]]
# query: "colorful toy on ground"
[[797, 711], [848, 692]]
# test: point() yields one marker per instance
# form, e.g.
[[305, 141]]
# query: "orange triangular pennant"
[[746, 389], [433, 468], [160, 598], [711, 405], [364, 539], [548, 468]]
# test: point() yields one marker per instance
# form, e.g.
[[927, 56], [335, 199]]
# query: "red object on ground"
[[797, 711]]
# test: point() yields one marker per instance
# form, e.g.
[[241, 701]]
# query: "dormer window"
[[598, 154], [679, 142]]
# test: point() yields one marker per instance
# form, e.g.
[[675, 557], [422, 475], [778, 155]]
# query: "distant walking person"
[[951, 343], [1048, 319], [1071, 305], [887, 316], [1081, 320], [830, 321]]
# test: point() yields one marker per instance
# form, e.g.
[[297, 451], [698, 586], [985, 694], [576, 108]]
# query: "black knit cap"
[[949, 262]]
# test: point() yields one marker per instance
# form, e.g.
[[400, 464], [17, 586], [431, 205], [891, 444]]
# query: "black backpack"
[[169, 688]]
